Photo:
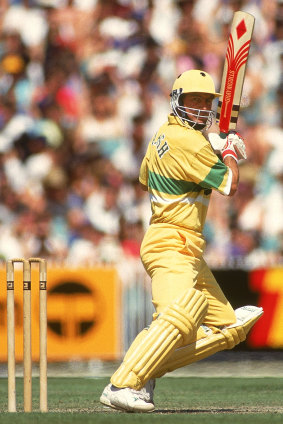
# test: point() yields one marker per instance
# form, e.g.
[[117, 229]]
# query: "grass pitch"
[[178, 400]]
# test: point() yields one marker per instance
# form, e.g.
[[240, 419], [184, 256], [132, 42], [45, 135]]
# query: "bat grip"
[[223, 135]]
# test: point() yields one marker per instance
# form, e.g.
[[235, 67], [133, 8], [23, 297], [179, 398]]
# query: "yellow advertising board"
[[83, 314]]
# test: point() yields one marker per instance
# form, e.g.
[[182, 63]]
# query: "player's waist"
[[190, 198], [176, 227]]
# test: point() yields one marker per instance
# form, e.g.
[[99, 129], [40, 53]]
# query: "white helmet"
[[193, 81]]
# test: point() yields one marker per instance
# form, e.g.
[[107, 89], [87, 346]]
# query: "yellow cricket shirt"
[[180, 169]]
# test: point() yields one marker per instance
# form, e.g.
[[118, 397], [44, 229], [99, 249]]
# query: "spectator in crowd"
[[82, 86]]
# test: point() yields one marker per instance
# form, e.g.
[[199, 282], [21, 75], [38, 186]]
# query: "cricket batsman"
[[193, 318]]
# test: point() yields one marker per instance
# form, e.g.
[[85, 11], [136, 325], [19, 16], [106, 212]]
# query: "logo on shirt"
[[161, 145]]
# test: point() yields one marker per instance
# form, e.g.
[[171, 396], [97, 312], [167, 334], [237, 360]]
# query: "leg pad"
[[176, 325], [214, 341]]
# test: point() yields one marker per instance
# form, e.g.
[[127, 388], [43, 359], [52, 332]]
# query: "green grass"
[[177, 400]]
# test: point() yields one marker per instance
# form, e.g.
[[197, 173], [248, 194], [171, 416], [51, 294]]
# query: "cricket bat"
[[234, 71]]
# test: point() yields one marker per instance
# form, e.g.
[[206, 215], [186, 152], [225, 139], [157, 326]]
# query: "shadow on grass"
[[195, 411]]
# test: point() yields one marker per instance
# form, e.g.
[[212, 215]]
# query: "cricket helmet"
[[192, 81]]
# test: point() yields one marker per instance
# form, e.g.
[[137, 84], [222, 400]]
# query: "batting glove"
[[234, 147], [217, 142]]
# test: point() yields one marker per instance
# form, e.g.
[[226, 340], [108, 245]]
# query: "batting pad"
[[176, 325], [225, 338]]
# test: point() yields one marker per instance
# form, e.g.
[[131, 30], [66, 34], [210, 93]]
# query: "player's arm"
[[143, 176], [232, 164], [232, 148]]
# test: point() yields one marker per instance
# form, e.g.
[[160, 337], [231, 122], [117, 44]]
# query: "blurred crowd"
[[85, 84]]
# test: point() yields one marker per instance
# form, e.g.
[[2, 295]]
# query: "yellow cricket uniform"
[[180, 170]]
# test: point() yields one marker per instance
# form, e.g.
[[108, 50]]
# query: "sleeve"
[[210, 172], [143, 177]]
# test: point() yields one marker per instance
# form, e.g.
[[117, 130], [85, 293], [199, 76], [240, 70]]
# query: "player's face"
[[198, 101]]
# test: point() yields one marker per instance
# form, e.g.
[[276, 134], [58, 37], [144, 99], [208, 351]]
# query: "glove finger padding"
[[233, 145], [217, 142], [239, 145]]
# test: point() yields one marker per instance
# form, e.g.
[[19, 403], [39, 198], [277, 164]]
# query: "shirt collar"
[[174, 120]]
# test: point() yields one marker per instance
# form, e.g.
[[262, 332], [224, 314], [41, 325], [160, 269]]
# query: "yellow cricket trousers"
[[173, 259]]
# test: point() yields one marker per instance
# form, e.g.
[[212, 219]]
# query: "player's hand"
[[217, 142], [234, 147]]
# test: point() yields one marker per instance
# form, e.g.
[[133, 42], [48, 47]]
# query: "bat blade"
[[234, 71]]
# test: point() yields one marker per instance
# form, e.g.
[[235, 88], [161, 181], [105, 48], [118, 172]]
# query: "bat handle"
[[223, 135]]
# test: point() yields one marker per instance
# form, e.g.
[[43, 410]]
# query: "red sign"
[[268, 331]]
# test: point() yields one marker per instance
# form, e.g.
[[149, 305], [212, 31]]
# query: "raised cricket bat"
[[234, 71]]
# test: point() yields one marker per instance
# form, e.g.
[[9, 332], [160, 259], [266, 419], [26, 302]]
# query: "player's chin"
[[196, 122], [201, 123]]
